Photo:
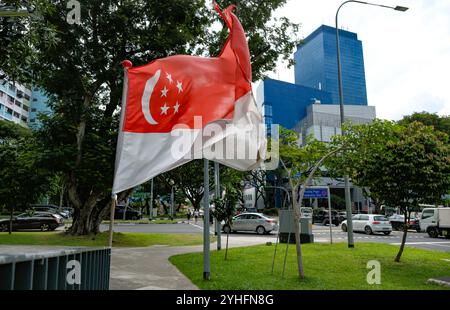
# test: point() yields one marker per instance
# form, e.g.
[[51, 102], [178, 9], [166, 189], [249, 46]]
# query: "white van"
[[436, 222]]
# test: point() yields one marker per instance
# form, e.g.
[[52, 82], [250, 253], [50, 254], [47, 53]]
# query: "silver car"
[[257, 222]]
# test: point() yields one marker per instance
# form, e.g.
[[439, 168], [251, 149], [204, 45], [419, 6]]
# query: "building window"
[[17, 103], [33, 109], [267, 110], [27, 97], [1, 93], [10, 99], [25, 108], [9, 111], [16, 115], [34, 99], [32, 120]]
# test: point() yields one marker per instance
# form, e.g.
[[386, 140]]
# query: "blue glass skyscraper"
[[316, 65]]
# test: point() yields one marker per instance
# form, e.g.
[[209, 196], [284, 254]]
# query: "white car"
[[369, 223], [257, 222]]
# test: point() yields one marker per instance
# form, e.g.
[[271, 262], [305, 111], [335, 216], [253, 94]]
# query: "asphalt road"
[[321, 234]]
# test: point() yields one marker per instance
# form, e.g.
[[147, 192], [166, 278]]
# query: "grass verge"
[[99, 240], [327, 267]]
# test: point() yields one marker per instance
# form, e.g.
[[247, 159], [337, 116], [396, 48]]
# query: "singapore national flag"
[[181, 108]]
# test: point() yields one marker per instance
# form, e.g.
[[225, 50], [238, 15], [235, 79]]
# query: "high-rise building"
[[39, 105], [22, 104], [14, 102], [316, 65], [311, 105], [316, 82]]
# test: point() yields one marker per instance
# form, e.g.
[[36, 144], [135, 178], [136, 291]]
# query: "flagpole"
[[111, 219], [218, 195], [206, 242], [126, 65]]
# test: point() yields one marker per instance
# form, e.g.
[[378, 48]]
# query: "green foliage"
[[441, 123], [79, 65], [299, 159], [10, 130], [22, 179], [402, 166]]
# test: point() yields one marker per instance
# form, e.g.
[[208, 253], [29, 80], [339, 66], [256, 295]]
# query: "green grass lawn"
[[326, 267], [100, 240]]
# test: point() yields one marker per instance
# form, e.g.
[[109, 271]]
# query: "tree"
[[305, 160], [15, 50], [22, 181], [441, 123], [225, 209], [79, 66], [403, 166]]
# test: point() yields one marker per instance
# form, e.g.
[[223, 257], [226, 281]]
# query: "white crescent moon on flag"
[[149, 87]]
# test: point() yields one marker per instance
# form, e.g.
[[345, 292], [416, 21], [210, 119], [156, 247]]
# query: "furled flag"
[[181, 108]]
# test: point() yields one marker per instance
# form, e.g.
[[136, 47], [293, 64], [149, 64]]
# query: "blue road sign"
[[316, 193]]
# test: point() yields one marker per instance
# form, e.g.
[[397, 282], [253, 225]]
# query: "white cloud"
[[406, 55]]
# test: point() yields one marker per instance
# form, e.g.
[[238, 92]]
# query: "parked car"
[[131, 214], [257, 222], [52, 209], [44, 221], [322, 217], [342, 215], [369, 223], [397, 221]]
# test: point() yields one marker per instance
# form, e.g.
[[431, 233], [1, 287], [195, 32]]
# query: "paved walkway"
[[149, 268]]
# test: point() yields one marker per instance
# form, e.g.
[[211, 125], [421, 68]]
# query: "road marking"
[[199, 227], [438, 243]]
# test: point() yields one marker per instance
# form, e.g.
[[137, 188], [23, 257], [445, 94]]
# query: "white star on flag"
[[164, 109], [169, 77], [164, 92], [176, 107], [179, 86]]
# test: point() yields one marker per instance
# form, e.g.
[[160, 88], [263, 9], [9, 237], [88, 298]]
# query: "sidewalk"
[[149, 268]]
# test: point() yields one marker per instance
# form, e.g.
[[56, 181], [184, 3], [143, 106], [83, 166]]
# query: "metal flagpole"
[[330, 218], [126, 64], [218, 195], [151, 200], [206, 245], [111, 219]]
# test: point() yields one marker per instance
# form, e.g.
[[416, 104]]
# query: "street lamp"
[[341, 104]]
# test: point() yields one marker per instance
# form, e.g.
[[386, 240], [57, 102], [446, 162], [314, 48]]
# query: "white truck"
[[436, 222]]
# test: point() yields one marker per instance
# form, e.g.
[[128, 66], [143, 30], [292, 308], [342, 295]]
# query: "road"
[[321, 234]]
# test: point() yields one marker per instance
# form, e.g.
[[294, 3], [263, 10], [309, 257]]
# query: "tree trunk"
[[226, 247], [298, 246], [11, 220], [405, 232], [61, 196]]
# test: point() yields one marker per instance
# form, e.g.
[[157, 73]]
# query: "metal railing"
[[67, 269]]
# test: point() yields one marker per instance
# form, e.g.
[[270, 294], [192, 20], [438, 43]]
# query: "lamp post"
[[348, 206]]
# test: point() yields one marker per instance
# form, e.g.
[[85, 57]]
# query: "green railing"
[[62, 269]]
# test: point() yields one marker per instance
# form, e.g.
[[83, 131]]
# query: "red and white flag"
[[181, 108]]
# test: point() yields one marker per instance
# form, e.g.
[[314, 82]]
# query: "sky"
[[406, 55]]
